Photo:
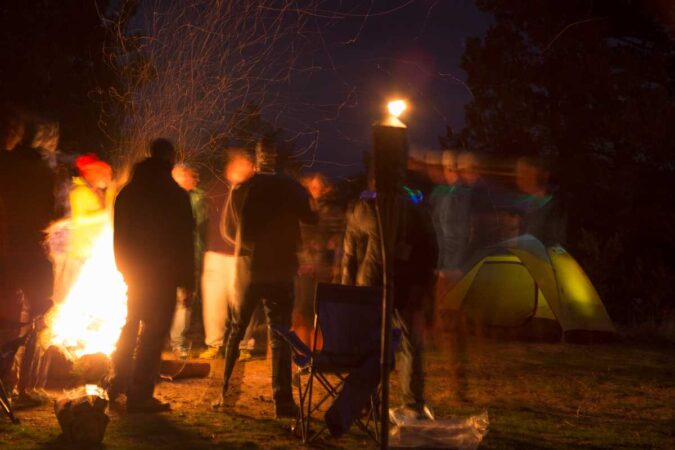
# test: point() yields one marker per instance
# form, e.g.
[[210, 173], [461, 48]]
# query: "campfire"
[[90, 318]]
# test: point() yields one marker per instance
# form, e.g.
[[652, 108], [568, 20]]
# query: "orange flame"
[[93, 313]]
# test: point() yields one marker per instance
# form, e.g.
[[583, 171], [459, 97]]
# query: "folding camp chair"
[[349, 320], [7, 352]]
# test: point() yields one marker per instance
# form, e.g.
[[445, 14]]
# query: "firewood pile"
[[81, 413]]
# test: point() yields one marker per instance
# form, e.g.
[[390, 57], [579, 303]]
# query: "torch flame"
[[93, 313], [397, 107]]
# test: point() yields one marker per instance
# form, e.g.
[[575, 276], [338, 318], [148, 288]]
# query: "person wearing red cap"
[[90, 200]]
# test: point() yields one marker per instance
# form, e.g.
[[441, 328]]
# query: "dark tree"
[[53, 64], [592, 85]]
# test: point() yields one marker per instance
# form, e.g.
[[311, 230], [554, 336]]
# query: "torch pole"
[[389, 163], [386, 215]]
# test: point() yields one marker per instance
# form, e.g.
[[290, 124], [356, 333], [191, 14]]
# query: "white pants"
[[218, 288]]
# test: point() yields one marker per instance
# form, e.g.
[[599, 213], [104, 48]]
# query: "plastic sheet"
[[455, 433]]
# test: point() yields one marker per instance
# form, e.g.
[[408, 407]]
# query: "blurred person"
[[90, 199], [543, 212], [188, 179], [47, 137], [268, 235], [27, 199], [414, 264], [418, 174], [12, 129], [219, 281], [154, 250], [11, 132], [434, 167], [90, 204], [450, 212], [46, 140], [319, 247], [483, 221]]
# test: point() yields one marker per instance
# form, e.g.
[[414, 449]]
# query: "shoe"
[[151, 405], [219, 405], [428, 412], [286, 410], [181, 352], [245, 354], [210, 353], [404, 413]]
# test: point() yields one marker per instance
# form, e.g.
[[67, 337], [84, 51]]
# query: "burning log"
[[81, 415], [91, 369], [58, 367], [61, 369]]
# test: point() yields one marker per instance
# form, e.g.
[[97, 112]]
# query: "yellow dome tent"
[[520, 284]]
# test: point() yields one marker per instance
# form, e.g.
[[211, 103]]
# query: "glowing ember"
[[90, 318]]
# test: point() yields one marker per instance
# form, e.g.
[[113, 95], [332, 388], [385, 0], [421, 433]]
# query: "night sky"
[[413, 52]]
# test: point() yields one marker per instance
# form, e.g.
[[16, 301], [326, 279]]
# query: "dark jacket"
[[415, 257], [154, 228], [269, 231], [321, 240], [27, 194]]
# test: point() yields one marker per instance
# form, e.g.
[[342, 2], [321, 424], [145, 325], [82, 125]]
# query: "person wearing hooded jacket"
[[362, 265], [154, 251]]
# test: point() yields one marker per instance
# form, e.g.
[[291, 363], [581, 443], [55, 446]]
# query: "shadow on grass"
[[150, 431], [140, 430], [497, 439]]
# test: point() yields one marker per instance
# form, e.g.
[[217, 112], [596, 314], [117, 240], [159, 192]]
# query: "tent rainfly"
[[519, 283]]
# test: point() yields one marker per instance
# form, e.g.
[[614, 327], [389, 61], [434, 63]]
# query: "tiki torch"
[[390, 149]]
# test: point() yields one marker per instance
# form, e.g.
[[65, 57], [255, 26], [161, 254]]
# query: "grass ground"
[[539, 396]]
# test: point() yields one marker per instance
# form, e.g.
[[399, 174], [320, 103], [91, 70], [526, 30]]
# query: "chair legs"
[[307, 408]]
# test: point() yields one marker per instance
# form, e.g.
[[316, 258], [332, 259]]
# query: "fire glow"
[[92, 315]]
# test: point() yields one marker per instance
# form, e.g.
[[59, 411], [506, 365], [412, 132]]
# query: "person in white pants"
[[219, 277], [218, 289]]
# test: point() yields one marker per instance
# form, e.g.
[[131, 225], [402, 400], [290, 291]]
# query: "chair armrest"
[[292, 339]]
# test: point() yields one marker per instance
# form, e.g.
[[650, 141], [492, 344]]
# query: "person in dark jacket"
[[267, 243], [414, 264], [318, 252], [154, 251], [27, 199]]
